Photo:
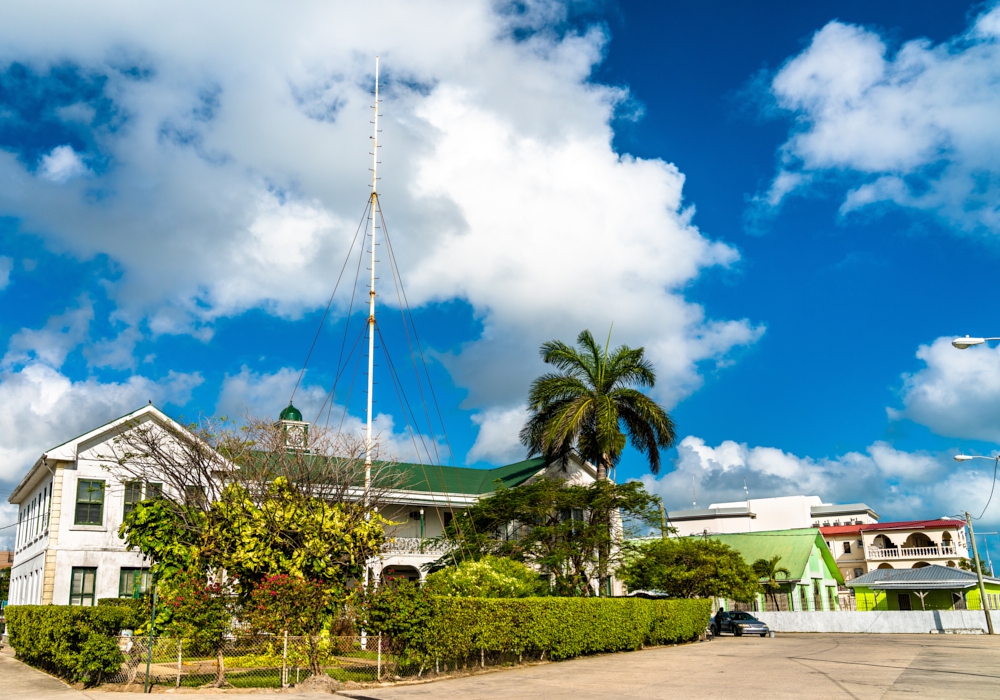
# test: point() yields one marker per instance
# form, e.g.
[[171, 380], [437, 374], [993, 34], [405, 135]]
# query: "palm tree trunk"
[[603, 551]]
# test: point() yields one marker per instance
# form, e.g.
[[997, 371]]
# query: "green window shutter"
[[89, 502], [82, 584]]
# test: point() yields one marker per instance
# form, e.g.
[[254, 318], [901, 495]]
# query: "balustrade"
[[911, 552]]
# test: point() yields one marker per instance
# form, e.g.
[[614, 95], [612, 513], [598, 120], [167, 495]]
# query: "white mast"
[[371, 299]]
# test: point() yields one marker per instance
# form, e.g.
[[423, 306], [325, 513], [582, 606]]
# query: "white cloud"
[[498, 441], [6, 266], [262, 395], [61, 165], [40, 408], [897, 484], [957, 393], [239, 174], [920, 125], [50, 344]]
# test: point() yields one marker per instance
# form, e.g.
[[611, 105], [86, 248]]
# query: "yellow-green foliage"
[[489, 577]]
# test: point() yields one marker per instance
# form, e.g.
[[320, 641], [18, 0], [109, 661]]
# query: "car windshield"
[[743, 616]]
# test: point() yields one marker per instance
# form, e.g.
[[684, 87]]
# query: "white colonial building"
[[760, 514], [70, 507]]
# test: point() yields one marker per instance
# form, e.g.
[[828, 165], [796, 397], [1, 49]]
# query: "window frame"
[[90, 503], [83, 595], [144, 580]]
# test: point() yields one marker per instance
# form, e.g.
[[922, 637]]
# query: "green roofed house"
[[925, 588], [813, 574]]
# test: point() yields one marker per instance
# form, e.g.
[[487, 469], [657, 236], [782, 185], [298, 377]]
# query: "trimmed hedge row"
[[74, 642], [561, 628]]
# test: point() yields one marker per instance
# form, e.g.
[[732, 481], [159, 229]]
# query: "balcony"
[[412, 545], [878, 554]]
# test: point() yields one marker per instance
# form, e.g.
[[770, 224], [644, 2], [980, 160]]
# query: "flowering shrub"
[[300, 607], [201, 610]]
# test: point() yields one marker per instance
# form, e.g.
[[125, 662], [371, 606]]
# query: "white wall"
[[782, 513], [878, 622]]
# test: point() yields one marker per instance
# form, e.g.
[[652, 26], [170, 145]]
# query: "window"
[[81, 591], [194, 495], [153, 491], [858, 572], [133, 583], [89, 502], [133, 494], [847, 547], [904, 601]]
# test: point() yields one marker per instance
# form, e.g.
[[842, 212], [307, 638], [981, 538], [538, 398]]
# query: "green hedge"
[[561, 628], [74, 642]]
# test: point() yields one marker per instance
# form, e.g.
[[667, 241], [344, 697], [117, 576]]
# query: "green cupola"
[[296, 430]]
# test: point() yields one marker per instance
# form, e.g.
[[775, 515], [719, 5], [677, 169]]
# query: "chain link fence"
[[277, 661]]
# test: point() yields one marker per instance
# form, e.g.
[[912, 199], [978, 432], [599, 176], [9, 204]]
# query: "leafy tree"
[[687, 567], [241, 500], [592, 405], [769, 570], [4, 583], [489, 577], [558, 528], [300, 607], [201, 610]]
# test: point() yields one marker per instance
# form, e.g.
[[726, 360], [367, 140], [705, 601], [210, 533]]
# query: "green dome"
[[291, 413]]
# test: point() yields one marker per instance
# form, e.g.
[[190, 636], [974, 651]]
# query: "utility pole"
[[979, 575]]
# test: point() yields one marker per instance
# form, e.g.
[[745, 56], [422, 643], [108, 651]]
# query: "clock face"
[[295, 435]]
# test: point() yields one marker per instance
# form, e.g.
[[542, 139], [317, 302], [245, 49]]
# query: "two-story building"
[[909, 544], [764, 514], [70, 507]]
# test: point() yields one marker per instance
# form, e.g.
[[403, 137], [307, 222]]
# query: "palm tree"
[[769, 569], [592, 406]]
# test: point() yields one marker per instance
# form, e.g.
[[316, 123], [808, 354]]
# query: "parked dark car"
[[739, 623]]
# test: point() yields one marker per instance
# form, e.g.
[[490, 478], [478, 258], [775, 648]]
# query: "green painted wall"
[[868, 599]]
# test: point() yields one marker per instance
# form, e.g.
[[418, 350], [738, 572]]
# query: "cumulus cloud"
[[498, 441], [40, 408], [957, 393], [50, 344], [897, 484], [237, 169], [918, 126], [61, 165]]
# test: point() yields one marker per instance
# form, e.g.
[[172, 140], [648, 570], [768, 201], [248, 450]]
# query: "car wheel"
[[738, 632], [763, 634]]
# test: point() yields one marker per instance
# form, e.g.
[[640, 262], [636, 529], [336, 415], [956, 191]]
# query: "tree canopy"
[[687, 567], [489, 577], [593, 405]]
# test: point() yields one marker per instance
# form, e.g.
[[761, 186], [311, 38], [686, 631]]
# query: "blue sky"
[[792, 206]]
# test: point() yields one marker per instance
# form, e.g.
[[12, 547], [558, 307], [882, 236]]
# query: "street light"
[[967, 342]]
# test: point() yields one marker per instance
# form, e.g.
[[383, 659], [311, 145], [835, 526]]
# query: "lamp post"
[[967, 342], [975, 549]]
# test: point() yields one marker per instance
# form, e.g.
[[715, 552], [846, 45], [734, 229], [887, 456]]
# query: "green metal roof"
[[793, 546], [466, 480]]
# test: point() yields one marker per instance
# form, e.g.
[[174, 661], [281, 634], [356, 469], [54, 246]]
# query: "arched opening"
[[400, 573], [920, 565], [918, 540], [885, 566], [947, 543], [883, 542]]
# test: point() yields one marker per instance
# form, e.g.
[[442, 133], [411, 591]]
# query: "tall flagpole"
[[371, 299]]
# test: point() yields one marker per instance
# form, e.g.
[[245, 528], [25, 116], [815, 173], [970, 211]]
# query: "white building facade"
[[764, 514]]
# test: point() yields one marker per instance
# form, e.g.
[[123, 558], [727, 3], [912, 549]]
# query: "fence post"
[[149, 655], [284, 663], [179, 643], [379, 663]]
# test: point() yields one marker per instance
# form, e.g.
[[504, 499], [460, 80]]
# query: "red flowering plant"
[[301, 607], [201, 609]]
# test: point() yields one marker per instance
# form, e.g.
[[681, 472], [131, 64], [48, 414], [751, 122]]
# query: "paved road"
[[827, 666]]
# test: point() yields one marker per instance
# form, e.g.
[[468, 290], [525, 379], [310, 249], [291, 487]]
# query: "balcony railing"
[[412, 545], [911, 552]]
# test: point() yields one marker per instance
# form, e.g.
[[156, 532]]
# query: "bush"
[[490, 577], [559, 628], [137, 611], [77, 643]]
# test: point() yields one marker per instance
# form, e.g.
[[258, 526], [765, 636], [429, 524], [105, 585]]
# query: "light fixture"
[[963, 458], [967, 342]]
